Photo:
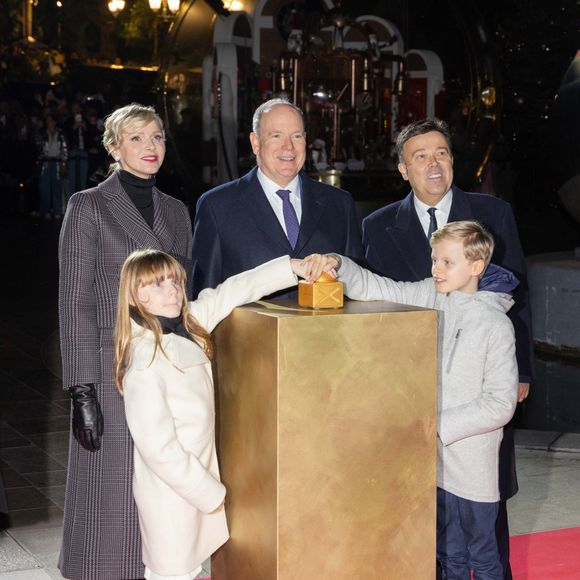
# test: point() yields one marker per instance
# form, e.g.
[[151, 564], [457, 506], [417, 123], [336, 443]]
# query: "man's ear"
[[255, 142], [403, 171], [477, 268]]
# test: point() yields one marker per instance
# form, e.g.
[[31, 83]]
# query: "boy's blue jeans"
[[466, 538]]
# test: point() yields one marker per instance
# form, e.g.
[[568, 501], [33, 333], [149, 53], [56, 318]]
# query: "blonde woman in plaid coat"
[[102, 226]]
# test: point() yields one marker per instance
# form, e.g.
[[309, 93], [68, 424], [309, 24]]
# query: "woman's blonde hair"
[[141, 268], [133, 116]]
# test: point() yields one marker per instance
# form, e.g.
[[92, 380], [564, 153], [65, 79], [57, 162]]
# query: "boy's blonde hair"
[[141, 268], [133, 116], [477, 241]]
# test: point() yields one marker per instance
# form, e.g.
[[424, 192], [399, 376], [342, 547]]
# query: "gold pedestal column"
[[327, 442]]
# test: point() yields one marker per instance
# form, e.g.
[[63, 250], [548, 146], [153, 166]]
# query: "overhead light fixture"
[[166, 9], [233, 5], [115, 6]]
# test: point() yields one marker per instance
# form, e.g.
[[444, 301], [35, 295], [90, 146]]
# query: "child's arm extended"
[[362, 284], [214, 304], [152, 428], [496, 404]]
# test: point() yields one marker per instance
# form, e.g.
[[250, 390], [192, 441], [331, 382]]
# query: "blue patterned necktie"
[[290, 219], [433, 222]]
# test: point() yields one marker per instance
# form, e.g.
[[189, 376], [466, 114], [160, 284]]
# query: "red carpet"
[[553, 555]]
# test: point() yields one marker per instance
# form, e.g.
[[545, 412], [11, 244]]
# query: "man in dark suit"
[[273, 210], [396, 244]]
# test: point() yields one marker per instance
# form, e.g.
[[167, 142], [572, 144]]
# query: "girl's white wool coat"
[[170, 413]]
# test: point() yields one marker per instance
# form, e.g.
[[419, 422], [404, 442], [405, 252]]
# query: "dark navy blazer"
[[236, 229]]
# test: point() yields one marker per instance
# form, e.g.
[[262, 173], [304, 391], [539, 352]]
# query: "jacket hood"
[[498, 279], [500, 300]]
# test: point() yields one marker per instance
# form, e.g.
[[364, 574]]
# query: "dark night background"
[[534, 40]]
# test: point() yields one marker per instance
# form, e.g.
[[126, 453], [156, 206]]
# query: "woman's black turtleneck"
[[140, 191]]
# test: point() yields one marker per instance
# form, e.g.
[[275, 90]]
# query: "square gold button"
[[321, 294]]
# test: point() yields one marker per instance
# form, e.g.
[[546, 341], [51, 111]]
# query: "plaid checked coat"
[[101, 228]]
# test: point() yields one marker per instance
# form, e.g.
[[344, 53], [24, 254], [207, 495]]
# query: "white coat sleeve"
[[214, 304], [497, 403], [362, 284], [151, 425]]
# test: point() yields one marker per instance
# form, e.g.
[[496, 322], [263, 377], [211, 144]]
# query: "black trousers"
[[502, 533]]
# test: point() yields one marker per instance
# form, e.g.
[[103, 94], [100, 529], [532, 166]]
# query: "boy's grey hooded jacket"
[[478, 375]]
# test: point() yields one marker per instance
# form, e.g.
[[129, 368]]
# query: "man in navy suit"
[[274, 209], [396, 244]]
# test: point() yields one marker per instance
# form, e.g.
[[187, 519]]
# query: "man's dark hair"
[[420, 128]]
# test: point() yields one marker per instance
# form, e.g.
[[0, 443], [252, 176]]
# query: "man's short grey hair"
[[420, 128], [267, 107]]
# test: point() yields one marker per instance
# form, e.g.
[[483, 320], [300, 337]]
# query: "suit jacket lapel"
[[127, 215], [460, 207], [256, 203], [312, 210], [409, 237]]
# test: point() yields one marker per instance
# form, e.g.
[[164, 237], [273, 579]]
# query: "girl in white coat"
[[163, 369]]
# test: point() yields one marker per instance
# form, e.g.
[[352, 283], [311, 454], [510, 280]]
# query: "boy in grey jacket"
[[478, 385]]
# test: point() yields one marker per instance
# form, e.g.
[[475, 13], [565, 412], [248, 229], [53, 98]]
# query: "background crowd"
[[51, 148]]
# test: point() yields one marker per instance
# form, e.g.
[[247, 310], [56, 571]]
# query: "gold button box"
[[326, 292]]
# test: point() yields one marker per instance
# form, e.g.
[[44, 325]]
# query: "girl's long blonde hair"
[[141, 268]]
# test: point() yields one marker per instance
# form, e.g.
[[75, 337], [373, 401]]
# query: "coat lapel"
[[460, 207], [255, 202], [164, 226], [127, 215], [409, 238], [312, 210]]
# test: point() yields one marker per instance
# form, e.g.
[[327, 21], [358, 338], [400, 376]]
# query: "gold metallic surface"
[[321, 294], [327, 442]]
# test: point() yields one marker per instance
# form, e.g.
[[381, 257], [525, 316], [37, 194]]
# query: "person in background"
[[78, 163], [94, 134], [52, 157]]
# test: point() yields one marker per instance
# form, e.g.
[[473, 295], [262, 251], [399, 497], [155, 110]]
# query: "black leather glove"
[[87, 418]]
